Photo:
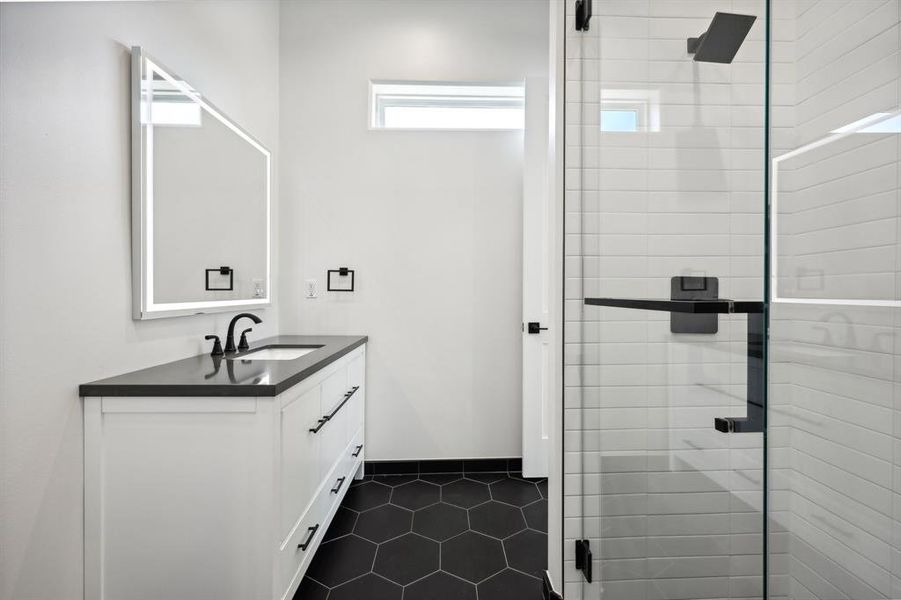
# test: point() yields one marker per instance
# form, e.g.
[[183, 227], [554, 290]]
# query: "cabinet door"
[[356, 378], [300, 450], [334, 433]]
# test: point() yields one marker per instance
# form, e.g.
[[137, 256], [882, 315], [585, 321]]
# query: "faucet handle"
[[217, 346], [243, 345]]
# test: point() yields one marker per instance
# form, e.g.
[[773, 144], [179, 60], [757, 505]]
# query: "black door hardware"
[[217, 346], [326, 418], [338, 485], [694, 288], [310, 537], [583, 14], [534, 327], [319, 425], [756, 395], [357, 451], [583, 558], [757, 319]]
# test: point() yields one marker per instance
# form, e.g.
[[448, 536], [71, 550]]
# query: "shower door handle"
[[757, 312], [756, 386]]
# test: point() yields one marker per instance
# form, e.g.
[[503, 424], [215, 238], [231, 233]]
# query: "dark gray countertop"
[[236, 375]]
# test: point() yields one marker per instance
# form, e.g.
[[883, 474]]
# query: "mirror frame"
[[143, 306]]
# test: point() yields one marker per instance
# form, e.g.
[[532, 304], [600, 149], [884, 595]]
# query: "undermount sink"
[[279, 353]]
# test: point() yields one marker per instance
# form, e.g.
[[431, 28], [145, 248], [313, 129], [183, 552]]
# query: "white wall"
[[431, 221], [65, 306]]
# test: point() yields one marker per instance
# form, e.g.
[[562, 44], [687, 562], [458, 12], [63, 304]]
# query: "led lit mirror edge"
[[143, 307]]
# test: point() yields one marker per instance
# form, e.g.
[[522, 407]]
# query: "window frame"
[[644, 103], [386, 94]]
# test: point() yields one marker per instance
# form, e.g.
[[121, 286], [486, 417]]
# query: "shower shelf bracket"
[[756, 312]]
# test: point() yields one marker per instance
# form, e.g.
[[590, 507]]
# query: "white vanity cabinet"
[[225, 498]]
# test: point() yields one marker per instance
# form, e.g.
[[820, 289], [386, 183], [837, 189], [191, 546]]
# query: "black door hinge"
[[583, 558], [583, 14]]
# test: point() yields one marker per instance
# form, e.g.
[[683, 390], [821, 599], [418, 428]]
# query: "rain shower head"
[[722, 39]]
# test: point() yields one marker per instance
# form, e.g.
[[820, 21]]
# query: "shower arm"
[[756, 312]]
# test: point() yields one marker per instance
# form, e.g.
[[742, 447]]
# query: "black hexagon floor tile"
[[367, 495], [441, 586], [341, 560], [357, 568], [536, 515], [515, 491], [407, 558], [496, 519], [394, 480], [310, 590], [486, 477], [465, 493], [441, 478], [416, 494], [510, 585], [342, 524], [383, 523], [440, 521], [472, 556], [370, 587], [527, 552]]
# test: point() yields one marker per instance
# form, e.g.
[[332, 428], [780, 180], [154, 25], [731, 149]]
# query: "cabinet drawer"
[[333, 388], [294, 558], [333, 435], [355, 453], [299, 549]]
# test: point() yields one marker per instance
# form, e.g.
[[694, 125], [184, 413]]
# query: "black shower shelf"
[[697, 307], [755, 421]]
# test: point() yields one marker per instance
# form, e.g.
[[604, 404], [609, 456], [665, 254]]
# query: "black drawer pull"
[[347, 396], [310, 537], [357, 452], [338, 484], [332, 414], [319, 425]]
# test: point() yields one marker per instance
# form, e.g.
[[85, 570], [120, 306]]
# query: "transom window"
[[440, 105], [630, 111]]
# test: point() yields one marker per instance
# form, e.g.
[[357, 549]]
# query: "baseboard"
[[547, 590], [429, 467]]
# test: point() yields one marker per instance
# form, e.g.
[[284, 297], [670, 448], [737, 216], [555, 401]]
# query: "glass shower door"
[[665, 312]]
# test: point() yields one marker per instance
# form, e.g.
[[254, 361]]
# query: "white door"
[[538, 337]]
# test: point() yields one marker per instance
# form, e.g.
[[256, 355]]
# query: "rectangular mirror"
[[200, 201]]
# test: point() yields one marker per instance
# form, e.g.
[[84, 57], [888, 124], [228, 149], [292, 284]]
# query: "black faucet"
[[243, 345], [230, 338]]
